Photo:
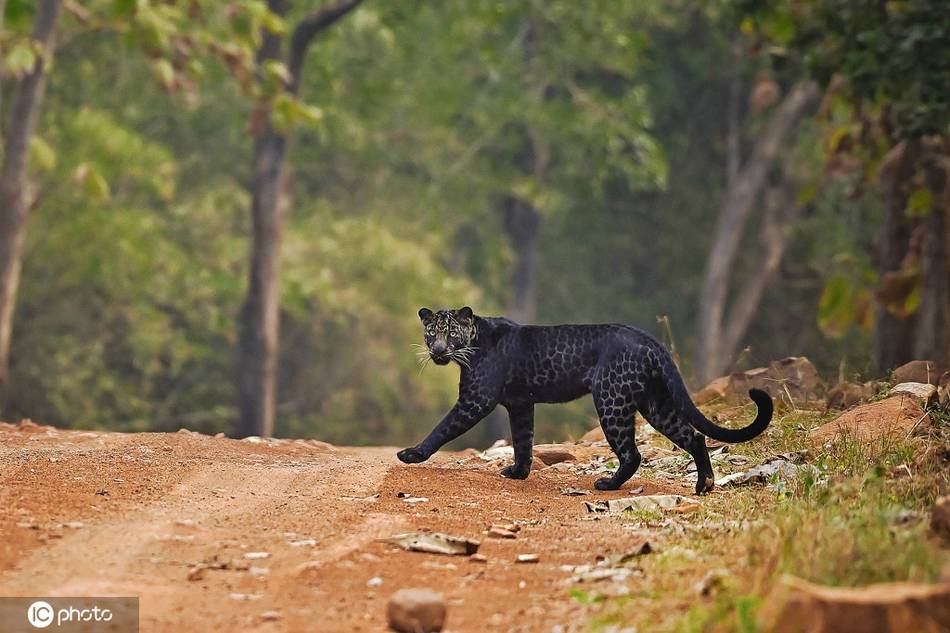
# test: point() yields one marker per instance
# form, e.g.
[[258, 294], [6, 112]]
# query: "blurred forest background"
[[228, 213]]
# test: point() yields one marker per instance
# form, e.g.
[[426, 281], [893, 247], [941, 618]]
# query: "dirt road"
[[88, 513]]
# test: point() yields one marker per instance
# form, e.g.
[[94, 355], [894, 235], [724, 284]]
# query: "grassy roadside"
[[858, 517]]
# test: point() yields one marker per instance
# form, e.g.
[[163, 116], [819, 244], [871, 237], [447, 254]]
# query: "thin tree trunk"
[[933, 321], [259, 320], [733, 216], [522, 222], [3, 13], [733, 128], [780, 212], [893, 333], [15, 199]]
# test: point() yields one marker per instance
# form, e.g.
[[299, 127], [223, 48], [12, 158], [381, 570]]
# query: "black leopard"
[[517, 366]]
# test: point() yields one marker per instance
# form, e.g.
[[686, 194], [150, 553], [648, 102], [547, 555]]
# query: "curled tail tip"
[[763, 401]]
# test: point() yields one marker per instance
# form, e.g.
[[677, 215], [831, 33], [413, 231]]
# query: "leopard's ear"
[[465, 313], [425, 314]]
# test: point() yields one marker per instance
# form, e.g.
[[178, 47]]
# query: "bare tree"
[[257, 352], [715, 350], [16, 198]]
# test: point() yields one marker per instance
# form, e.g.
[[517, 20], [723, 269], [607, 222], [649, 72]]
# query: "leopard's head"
[[449, 334]]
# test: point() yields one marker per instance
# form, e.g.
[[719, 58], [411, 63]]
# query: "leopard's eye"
[[430, 331], [455, 331]]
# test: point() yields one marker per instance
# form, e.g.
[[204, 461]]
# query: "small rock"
[[306, 542], [796, 605], [497, 452], [924, 393], [496, 531], [270, 616], [940, 518], [257, 555], [792, 378], [245, 596], [716, 390], [924, 371], [552, 454], [527, 558], [847, 394], [74, 525], [596, 434], [478, 558], [416, 611], [375, 581]]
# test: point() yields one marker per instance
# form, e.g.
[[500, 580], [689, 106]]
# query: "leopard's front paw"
[[411, 455], [606, 483], [515, 472]]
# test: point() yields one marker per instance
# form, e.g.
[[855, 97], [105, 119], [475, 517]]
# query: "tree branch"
[[307, 29], [735, 212]]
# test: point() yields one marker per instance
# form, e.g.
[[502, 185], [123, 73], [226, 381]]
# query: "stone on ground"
[[847, 394], [596, 434], [793, 377], [552, 454], [924, 371], [716, 390], [796, 605], [416, 611], [894, 417], [924, 393]]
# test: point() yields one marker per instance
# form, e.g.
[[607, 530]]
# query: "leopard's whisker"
[[424, 363]]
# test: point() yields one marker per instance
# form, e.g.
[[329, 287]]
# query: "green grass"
[[858, 517]]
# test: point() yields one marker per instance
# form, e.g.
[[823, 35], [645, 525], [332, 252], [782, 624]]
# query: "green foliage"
[[411, 126], [891, 54]]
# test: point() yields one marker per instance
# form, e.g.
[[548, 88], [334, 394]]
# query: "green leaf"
[[42, 154], [93, 182], [843, 304], [919, 202], [277, 72], [20, 60], [164, 73]]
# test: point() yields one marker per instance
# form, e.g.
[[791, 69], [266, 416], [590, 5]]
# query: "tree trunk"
[[735, 212], [933, 321], [522, 222], [15, 199], [780, 212], [259, 320], [893, 333], [259, 317]]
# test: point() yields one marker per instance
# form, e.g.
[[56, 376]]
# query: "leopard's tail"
[[762, 400]]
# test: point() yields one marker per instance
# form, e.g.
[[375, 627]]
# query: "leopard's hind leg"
[[617, 411], [660, 411]]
